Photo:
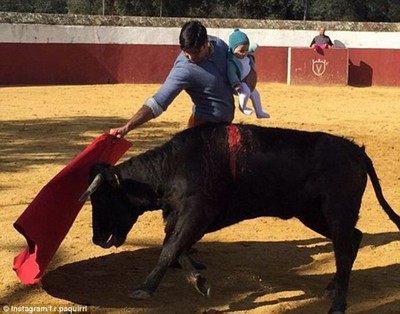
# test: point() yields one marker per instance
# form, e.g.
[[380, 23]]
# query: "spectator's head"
[[193, 41], [322, 31]]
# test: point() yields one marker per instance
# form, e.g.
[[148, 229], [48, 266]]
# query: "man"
[[321, 41], [200, 70]]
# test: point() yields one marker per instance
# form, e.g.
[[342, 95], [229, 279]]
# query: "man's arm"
[[233, 73], [154, 106], [143, 115]]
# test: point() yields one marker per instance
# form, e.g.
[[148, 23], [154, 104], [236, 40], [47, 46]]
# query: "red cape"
[[47, 220]]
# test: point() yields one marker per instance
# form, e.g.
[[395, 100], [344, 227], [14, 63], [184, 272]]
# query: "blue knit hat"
[[237, 38]]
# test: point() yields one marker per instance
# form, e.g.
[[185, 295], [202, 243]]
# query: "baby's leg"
[[256, 100], [244, 95]]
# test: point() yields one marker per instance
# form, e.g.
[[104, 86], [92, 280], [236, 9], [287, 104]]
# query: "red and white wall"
[[72, 54]]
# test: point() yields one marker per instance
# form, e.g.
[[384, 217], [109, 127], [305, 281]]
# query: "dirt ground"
[[258, 266]]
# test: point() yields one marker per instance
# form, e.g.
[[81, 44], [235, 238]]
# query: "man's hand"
[[119, 132], [143, 115]]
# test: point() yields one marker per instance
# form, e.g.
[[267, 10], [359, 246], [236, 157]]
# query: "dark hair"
[[193, 35]]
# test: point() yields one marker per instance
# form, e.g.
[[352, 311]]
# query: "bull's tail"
[[378, 191]]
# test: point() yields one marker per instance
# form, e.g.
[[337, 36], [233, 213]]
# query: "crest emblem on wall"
[[319, 66]]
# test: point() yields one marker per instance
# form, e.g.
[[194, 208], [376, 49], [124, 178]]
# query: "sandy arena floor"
[[259, 266]]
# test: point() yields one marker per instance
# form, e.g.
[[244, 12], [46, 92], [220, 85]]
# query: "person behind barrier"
[[321, 41], [201, 70]]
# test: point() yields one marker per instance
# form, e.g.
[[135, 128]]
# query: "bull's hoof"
[[140, 294], [202, 286]]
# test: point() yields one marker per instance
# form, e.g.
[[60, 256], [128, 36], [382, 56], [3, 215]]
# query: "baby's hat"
[[237, 38]]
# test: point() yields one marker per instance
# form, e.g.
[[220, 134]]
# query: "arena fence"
[[71, 49]]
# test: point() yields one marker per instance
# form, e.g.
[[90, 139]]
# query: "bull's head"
[[113, 215]]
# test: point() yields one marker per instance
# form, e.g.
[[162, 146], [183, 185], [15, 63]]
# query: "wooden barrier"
[[326, 66], [32, 64], [70, 63], [53, 64], [271, 64], [374, 67]]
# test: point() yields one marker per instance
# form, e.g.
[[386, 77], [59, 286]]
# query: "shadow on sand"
[[244, 276], [26, 143]]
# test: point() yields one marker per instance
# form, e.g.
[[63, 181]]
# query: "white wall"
[[40, 33], [301, 38]]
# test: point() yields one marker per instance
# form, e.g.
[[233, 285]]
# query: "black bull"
[[210, 177]]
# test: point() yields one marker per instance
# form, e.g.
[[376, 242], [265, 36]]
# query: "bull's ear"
[[108, 172], [98, 168], [111, 177]]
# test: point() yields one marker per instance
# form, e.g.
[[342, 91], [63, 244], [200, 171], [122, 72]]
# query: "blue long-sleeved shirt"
[[206, 82]]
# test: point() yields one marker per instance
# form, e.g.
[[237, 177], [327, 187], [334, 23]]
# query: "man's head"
[[322, 31], [193, 41]]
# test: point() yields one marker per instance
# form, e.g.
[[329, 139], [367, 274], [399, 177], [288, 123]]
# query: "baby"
[[241, 66]]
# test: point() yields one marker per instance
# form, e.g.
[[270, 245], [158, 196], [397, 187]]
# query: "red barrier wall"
[[374, 67], [271, 64], [37, 64], [34, 64], [325, 66]]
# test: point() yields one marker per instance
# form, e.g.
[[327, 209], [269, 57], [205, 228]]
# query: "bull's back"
[[281, 172], [261, 159]]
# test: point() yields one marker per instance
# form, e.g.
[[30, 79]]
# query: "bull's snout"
[[104, 242], [107, 242]]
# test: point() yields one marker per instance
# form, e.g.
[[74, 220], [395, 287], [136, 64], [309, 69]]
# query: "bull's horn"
[[98, 179]]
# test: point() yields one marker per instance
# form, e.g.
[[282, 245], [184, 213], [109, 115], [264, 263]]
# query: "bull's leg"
[[343, 213], [346, 244], [316, 221], [182, 232], [344, 262], [197, 265], [169, 254], [193, 276], [171, 220], [357, 236]]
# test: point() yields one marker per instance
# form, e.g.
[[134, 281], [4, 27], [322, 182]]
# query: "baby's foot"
[[245, 110], [262, 115]]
